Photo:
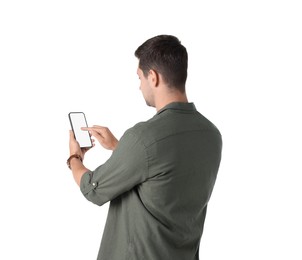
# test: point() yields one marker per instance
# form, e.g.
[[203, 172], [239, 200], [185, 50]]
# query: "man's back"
[[158, 208]]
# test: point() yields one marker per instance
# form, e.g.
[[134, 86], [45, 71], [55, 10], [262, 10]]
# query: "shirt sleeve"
[[126, 168]]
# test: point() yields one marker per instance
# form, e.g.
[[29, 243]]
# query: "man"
[[161, 173]]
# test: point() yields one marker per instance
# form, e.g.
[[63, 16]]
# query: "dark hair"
[[166, 55]]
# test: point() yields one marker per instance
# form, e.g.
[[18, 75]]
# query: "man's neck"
[[167, 99]]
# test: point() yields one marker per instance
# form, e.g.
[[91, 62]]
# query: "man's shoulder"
[[145, 131], [170, 124], [140, 128]]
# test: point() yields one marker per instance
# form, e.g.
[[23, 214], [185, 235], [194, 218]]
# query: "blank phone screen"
[[78, 120]]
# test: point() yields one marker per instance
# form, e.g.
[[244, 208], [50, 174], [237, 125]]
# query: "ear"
[[153, 78]]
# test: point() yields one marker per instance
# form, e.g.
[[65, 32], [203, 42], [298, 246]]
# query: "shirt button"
[[93, 184]]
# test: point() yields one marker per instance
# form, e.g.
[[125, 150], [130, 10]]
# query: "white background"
[[245, 65]]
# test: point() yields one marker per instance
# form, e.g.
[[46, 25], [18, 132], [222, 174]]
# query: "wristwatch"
[[73, 156]]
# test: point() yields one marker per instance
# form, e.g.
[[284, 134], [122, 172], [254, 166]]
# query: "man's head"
[[167, 56]]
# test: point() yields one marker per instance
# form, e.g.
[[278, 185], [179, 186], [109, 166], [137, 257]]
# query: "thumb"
[[71, 135]]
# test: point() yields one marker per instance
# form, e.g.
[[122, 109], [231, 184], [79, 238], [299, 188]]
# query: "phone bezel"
[[70, 120]]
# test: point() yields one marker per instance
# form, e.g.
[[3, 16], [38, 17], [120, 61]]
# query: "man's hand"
[[74, 146], [103, 135]]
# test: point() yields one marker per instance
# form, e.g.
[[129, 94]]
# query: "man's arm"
[[76, 163], [125, 168], [78, 169], [103, 135], [105, 138]]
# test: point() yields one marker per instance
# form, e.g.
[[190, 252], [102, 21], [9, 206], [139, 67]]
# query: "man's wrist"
[[73, 156]]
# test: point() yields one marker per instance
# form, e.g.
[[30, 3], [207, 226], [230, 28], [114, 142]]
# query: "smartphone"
[[78, 120]]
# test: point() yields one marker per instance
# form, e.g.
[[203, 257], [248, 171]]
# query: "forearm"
[[78, 169]]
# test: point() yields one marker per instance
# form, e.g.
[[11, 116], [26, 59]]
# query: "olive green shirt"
[[159, 180]]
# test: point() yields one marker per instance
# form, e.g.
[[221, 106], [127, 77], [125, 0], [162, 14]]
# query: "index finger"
[[93, 128]]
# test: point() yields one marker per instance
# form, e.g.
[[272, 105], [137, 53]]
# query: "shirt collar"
[[178, 106]]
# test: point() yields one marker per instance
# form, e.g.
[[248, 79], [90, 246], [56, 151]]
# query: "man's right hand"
[[103, 135]]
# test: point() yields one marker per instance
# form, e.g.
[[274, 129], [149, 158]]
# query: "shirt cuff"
[[86, 184]]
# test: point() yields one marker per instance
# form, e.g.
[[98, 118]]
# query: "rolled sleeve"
[[86, 184], [126, 168]]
